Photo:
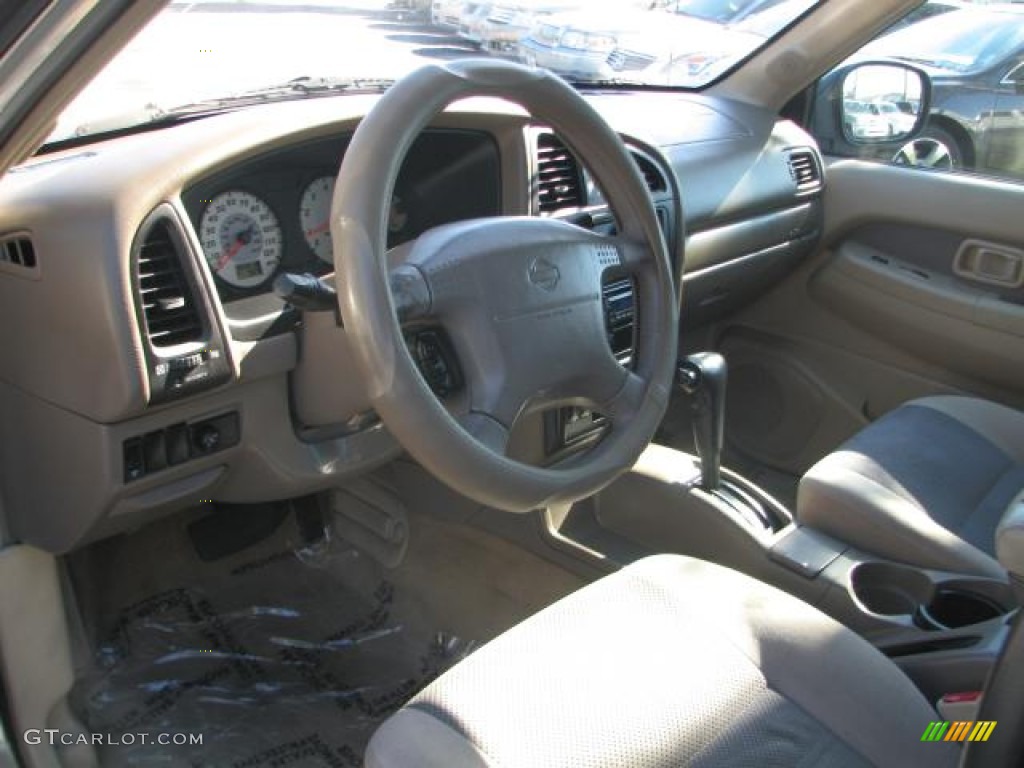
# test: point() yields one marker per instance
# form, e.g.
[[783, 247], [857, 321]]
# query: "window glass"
[[972, 53]]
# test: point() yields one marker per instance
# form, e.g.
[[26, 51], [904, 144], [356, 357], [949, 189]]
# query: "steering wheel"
[[520, 298]]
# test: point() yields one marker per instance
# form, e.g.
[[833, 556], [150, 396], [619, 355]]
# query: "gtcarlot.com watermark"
[[58, 738]]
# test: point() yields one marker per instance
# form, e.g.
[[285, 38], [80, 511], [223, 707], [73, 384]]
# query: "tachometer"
[[241, 239], [315, 216]]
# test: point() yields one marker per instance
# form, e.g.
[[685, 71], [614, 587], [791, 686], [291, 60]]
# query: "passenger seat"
[[925, 485]]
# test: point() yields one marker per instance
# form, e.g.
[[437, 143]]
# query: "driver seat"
[[671, 661]]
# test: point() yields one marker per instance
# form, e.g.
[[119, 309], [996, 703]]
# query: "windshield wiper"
[[611, 82], [296, 88]]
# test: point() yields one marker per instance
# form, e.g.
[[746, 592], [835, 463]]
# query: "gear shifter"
[[702, 376]]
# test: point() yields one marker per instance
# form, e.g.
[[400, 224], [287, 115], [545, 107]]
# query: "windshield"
[[197, 54]]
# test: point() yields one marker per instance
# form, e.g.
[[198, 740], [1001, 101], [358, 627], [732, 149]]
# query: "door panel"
[[927, 313], [889, 308]]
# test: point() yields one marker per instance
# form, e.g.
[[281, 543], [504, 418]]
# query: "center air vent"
[[619, 315], [168, 303], [655, 181], [805, 171], [559, 181]]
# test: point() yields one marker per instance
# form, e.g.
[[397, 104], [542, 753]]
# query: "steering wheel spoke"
[[486, 430], [622, 406]]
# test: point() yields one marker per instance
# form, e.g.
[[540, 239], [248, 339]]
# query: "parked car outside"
[[898, 120], [470, 19], [975, 57], [445, 13], [580, 44], [416, 6], [867, 120], [508, 22], [671, 59]]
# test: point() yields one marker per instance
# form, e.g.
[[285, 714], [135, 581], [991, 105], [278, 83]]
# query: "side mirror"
[[870, 108]]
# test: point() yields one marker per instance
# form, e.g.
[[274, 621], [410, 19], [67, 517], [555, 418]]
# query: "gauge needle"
[[319, 230], [242, 239]]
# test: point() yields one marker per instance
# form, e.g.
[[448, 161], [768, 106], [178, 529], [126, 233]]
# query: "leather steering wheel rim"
[[520, 258]]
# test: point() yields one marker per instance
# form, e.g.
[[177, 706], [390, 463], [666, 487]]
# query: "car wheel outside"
[[934, 148]]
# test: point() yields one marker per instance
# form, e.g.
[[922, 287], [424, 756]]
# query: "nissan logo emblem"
[[544, 274]]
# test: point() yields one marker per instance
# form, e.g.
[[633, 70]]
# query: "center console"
[[945, 630]]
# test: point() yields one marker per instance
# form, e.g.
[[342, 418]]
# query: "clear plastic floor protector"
[[281, 655]]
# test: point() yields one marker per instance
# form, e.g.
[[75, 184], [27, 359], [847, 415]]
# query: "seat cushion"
[[926, 484], [671, 661]]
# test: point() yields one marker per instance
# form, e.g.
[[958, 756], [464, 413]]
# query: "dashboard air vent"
[[804, 169], [559, 179], [165, 293], [19, 251], [619, 313], [655, 181]]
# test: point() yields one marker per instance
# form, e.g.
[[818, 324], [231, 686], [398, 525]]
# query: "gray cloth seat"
[[671, 661], [926, 484]]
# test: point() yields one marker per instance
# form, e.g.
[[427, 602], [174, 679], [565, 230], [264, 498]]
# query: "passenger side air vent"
[[168, 303], [18, 251], [655, 181], [559, 180], [805, 171]]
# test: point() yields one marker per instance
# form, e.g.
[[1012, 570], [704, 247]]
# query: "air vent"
[[558, 175], [167, 300], [619, 314], [655, 181], [18, 251], [805, 171]]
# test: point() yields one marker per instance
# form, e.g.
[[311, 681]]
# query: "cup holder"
[[888, 589], [952, 608]]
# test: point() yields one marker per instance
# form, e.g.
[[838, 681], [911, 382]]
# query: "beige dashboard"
[[75, 383], [96, 440]]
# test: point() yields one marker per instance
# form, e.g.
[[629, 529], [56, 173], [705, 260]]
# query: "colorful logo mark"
[[959, 731]]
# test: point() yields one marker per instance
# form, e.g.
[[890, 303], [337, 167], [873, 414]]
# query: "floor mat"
[[284, 653]]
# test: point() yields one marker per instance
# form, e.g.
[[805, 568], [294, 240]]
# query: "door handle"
[[990, 263]]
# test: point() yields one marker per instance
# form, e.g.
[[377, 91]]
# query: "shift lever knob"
[[703, 377]]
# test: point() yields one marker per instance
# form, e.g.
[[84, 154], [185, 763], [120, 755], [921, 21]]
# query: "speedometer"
[[315, 216], [241, 239]]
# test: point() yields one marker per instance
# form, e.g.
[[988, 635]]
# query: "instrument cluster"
[[271, 213]]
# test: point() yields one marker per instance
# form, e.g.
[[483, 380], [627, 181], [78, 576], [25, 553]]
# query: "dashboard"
[[155, 366]]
